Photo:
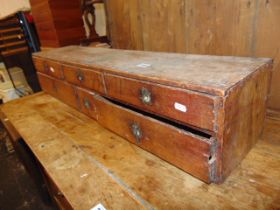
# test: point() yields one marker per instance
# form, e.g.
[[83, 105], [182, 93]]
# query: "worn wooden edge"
[[253, 185], [15, 136], [198, 88], [119, 188], [222, 114]]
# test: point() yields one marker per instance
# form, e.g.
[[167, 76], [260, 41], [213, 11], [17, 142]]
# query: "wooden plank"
[[44, 120], [5, 23], [136, 28], [14, 51], [267, 43], [17, 36], [175, 26], [200, 26], [85, 178], [235, 24], [10, 44], [119, 24], [244, 114], [154, 24], [10, 30]]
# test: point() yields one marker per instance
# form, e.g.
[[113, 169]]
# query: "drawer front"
[[39, 65], [86, 100], [51, 68], [66, 93], [84, 77], [185, 106], [54, 69], [179, 147], [47, 84], [59, 89]]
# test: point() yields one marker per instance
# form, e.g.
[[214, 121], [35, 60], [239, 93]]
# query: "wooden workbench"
[[91, 165]]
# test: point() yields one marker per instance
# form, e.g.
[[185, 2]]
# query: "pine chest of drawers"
[[199, 113]]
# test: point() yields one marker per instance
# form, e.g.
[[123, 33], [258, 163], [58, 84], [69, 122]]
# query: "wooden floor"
[[92, 165]]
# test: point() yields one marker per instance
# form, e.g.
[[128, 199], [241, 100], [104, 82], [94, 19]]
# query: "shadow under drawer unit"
[[200, 113]]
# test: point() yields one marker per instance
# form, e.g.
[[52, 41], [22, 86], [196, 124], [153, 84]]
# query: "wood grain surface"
[[58, 23], [231, 107], [238, 28], [123, 176], [210, 74]]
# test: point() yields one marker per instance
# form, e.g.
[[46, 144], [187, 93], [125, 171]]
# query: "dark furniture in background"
[[58, 23], [18, 40]]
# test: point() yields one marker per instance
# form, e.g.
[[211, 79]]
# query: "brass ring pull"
[[137, 132], [87, 103], [146, 96], [80, 76]]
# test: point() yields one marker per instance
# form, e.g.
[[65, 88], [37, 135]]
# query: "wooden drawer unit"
[[201, 113], [189, 107], [84, 77]]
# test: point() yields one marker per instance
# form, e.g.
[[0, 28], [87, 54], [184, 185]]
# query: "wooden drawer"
[[185, 106], [39, 65], [47, 84], [84, 77], [51, 68], [59, 89], [190, 152], [54, 69]]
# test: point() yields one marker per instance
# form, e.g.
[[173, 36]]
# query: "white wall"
[[9, 7]]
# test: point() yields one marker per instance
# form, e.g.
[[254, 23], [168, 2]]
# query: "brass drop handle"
[[80, 76], [146, 96], [137, 132], [87, 103]]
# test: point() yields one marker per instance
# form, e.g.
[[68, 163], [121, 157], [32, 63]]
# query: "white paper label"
[[180, 107], [52, 69], [98, 207], [143, 65]]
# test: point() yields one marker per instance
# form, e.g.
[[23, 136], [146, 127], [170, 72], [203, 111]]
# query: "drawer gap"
[[162, 119]]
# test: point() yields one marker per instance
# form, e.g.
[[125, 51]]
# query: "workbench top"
[[91, 165]]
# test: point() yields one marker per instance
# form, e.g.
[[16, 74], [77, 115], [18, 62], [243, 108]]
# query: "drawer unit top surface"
[[214, 75]]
